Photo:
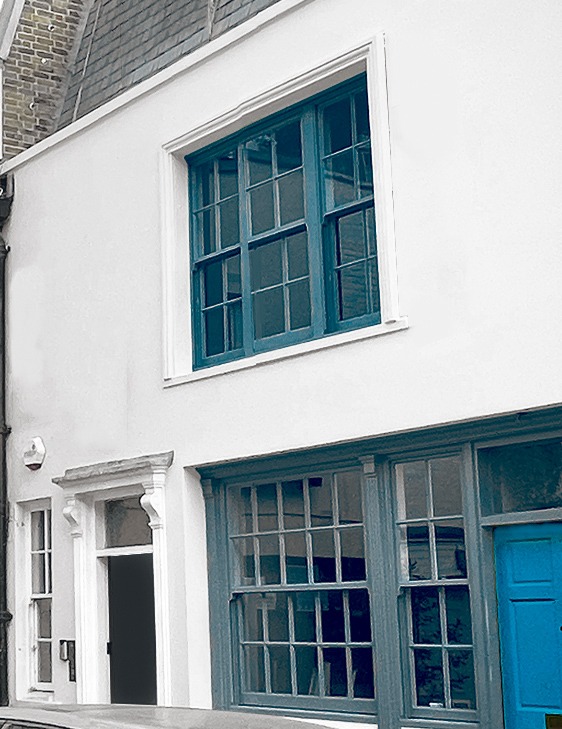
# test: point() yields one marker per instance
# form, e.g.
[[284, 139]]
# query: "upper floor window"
[[283, 230]]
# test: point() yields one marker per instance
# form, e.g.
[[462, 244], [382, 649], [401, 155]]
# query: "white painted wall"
[[475, 110]]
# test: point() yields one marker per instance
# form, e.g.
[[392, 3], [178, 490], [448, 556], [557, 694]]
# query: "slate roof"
[[126, 41]]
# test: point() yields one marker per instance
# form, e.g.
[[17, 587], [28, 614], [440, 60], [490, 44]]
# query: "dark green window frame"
[[283, 243]]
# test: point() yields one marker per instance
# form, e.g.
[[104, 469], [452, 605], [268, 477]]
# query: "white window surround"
[[85, 489], [25, 690], [177, 335]]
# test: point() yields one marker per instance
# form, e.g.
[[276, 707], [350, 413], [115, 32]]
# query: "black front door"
[[132, 641]]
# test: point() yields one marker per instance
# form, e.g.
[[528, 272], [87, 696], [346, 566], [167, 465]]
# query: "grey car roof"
[[126, 41], [113, 716]]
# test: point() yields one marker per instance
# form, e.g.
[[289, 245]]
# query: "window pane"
[[234, 322], [426, 624], [295, 554], [207, 231], [266, 265], [419, 559], [359, 616], [269, 313], [307, 670], [126, 523], [335, 672], [352, 554], [365, 171], [289, 152], [291, 199], [320, 495], [349, 497], [233, 280], [463, 693], [37, 530], [261, 203], [255, 668], [43, 617], [299, 305], [228, 174], [371, 231], [206, 181], [411, 481], [340, 188], [270, 561], [363, 675], [362, 130], [352, 291], [323, 556], [451, 553], [212, 276], [214, 332], [446, 486], [429, 677], [244, 551], [293, 504], [337, 126], [304, 617], [267, 507], [280, 669], [259, 159], [278, 617], [253, 617], [333, 626], [38, 580], [351, 238], [297, 255], [459, 629], [44, 672], [228, 215]]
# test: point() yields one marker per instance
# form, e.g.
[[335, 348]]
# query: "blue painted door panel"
[[529, 587]]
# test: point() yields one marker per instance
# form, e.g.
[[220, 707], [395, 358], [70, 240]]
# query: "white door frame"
[[84, 490]]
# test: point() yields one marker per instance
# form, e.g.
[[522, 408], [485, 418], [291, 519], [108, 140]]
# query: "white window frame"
[[26, 684], [367, 57]]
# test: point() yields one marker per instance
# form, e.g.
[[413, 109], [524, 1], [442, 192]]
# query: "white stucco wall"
[[474, 110]]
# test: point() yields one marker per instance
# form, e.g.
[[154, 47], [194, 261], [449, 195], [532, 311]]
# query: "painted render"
[[474, 109]]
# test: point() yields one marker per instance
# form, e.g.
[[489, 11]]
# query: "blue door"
[[529, 586]]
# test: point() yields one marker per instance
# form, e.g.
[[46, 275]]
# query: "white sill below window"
[[334, 340]]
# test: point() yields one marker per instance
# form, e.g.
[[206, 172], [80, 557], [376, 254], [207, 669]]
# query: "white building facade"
[[285, 316]]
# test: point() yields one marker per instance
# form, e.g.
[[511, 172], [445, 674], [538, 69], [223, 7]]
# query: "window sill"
[[334, 340]]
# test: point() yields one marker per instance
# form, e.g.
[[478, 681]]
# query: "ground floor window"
[[41, 597]]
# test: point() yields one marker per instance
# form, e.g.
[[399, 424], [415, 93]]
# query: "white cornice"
[[111, 470]]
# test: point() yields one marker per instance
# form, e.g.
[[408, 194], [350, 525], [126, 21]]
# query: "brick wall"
[[35, 73]]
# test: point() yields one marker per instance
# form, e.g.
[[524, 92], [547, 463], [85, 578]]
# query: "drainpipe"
[[6, 197]]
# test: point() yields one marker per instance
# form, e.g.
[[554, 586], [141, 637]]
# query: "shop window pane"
[[411, 481], [240, 505], [278, 617], [323, 556], [461, 670], [288, 146], [261, 203], [126, 523], [253, 617], [280, 669], [425, 615], [244, 551], [233, 278], [212, 277], [352, 554], [206, 219], [333, 625], [297, 255], [362, 130], [320, 495], [365, 170], [291, 198], [269, 313], [338, 174], [228, 174], [234, 322], [214, 331], [337, 126], [362, 672], [307, 670], [304, 617], [267, 507], [351, 239], [295, 555], [451, 553], [229, 227], [207, 182], [359, 616], [270, 561], [352, 291], [349, 497], [299, 305], [255, 668], [266, 268], [446, 486], [429, 677], [419, 557], [44, 662], [259, 159], [459, 629], [293, 504], [335, 672]]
